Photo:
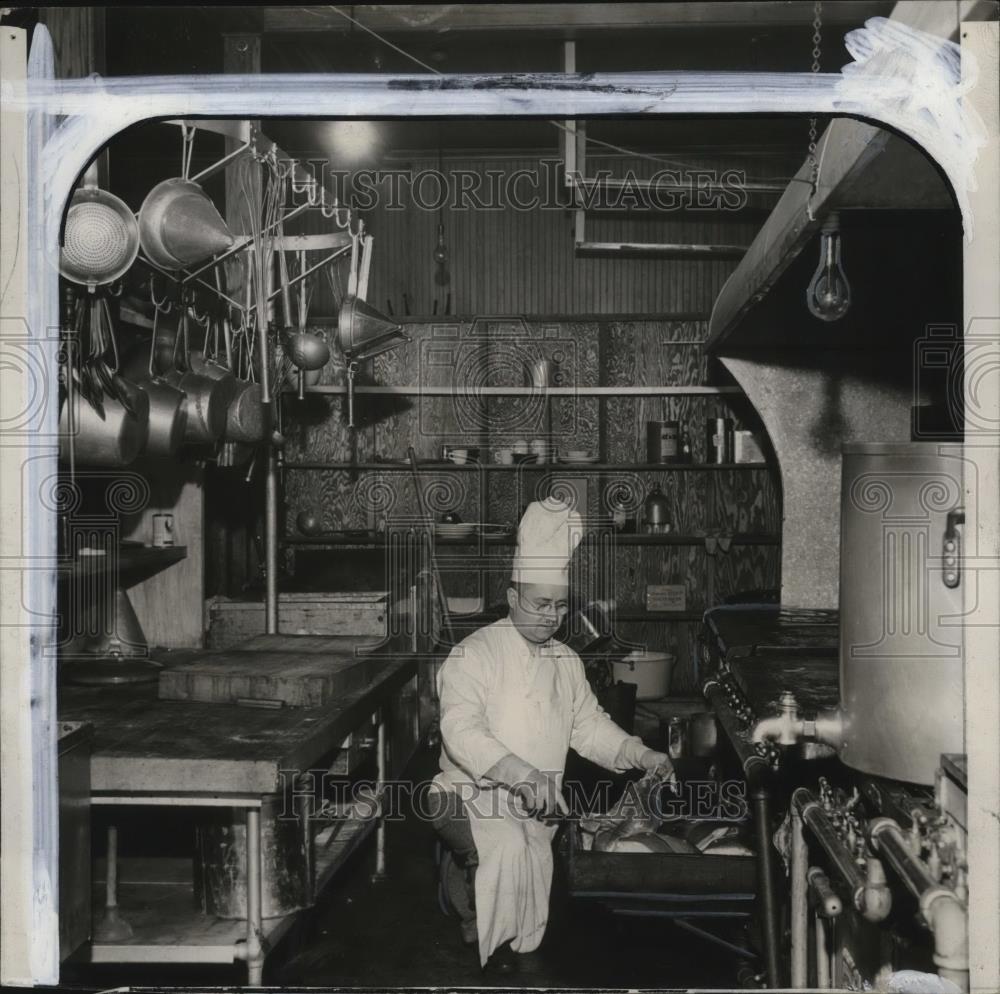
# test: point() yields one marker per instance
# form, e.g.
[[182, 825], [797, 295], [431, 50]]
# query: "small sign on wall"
[[666, 597]]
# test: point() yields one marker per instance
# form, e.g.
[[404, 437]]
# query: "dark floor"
[[393, 934]]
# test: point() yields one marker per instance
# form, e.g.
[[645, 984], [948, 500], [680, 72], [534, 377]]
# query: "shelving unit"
[[467, 392], [569, 467], [619, 373], [621, 539]]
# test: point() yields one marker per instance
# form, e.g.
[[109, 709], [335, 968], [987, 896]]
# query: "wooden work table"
[[148, 751], [145, 745]]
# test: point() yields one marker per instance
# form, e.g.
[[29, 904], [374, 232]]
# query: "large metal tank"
[[901, 671], [221, 867]]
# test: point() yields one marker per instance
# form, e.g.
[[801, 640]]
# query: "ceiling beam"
[[563, 19], [851, 152]]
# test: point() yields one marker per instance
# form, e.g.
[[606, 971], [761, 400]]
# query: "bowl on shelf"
[[459, 454], [460, 606], [454, 529]]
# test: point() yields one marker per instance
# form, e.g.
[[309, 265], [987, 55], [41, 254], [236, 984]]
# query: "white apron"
[[514, 877], [499, 698]]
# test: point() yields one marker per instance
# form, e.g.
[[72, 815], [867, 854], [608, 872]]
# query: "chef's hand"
[[652, 760], [539, 793]]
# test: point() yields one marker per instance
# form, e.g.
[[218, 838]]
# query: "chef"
[[513, 701]]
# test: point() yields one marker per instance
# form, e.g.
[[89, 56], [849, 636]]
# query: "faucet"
[[786, 727]]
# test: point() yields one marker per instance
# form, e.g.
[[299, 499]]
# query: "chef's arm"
[[465, 731], [510, 770], [597, 738]]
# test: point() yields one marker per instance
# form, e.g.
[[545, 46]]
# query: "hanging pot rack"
[[302, 181]]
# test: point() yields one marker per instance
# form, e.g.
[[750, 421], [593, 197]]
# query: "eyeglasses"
[[555, 608]]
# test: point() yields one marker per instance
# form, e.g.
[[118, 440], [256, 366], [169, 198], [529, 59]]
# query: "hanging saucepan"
[[110, 423], [206, 398], [101, 239], [179, 225], [247, 419], [167, 407], [205, 365]]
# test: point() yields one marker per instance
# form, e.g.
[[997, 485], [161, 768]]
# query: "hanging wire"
[[817, 51], [556, 124]]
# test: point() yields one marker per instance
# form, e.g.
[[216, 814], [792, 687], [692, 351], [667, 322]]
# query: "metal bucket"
[[221, 866], [901, 672], [649, 671]]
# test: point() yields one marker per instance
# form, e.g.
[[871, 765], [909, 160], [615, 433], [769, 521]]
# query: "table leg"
[[381, 766], [255, 947], [112, 927], [800, 903], [765, 878], [822, 954]]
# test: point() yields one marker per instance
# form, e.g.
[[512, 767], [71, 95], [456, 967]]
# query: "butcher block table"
[[151, 751]]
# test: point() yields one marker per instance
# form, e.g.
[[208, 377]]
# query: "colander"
[[101, 238]]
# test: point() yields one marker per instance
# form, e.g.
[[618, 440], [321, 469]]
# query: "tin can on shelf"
[[163, 530], [663, 441], [719, 440]]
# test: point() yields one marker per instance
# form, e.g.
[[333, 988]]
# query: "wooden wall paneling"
[[78, 39], [743, 569], [170, 605], [510, 261]]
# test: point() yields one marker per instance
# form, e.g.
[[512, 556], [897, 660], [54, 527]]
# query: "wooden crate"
[[231, 621]]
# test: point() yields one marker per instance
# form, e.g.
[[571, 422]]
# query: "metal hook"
[[164, 305], [187, 150]]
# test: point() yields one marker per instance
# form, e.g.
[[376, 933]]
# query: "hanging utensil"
[[167, 405], [101, 239], [108, 433], [206, 398], [179, 225]]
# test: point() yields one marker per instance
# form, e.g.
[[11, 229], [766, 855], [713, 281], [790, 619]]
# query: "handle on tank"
[[951, 551]]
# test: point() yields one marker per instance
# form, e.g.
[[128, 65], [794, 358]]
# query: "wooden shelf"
[[621, 539], [167, 928], [601, 467], [329, 858], [475, 392], [640, 615], [132, 564]]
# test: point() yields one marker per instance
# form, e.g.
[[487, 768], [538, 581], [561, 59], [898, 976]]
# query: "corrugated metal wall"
[[510, 261]]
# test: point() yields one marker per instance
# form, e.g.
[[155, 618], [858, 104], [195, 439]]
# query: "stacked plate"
[[578, 457], [460, 529]]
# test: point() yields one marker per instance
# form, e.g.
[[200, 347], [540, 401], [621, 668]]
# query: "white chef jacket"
[[500, 694]]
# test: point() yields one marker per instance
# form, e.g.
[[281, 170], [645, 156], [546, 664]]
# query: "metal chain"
[[817, 51]]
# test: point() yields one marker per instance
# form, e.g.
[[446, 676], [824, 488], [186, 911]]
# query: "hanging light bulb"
[[829, 293], [441, 250]]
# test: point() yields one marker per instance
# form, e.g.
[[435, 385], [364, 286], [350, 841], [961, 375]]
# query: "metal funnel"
[[179, 225], [363, 332]]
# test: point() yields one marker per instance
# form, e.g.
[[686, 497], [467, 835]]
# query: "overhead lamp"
[[352, 142], [829, 294]]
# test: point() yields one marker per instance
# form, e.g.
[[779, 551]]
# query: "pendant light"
[[829, 294]]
